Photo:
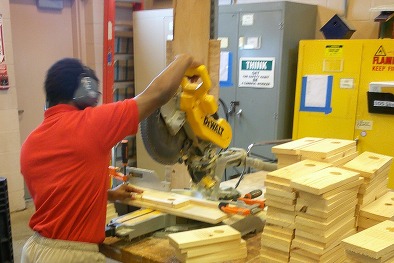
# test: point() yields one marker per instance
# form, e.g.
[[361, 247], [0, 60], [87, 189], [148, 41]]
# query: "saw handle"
[[202, 73]]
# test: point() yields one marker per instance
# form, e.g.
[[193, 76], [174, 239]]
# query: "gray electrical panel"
[[258, 67]]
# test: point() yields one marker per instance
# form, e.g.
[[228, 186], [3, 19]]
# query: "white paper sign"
[[256, 72]]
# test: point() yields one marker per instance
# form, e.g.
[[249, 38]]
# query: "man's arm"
[[164, 86]]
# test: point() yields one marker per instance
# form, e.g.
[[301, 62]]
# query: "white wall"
[[39, 38], [9, 125]]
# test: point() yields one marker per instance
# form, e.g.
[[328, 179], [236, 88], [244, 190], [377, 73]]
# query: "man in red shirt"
[[65, 160]]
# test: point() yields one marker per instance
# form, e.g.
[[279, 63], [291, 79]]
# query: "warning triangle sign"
[[380, 52]]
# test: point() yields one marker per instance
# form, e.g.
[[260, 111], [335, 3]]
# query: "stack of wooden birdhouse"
[[374, 168], [212, 244], [333, 151], [376, 212], [375, 244], [289, 153], [281, 198], [325, 214]]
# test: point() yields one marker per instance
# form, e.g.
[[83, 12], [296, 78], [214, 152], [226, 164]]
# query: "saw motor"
[[188, 130]]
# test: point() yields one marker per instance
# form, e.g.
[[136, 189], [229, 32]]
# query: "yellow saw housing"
[[199, 107]]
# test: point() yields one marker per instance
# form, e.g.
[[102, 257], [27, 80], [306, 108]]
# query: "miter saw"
[[188, 130]]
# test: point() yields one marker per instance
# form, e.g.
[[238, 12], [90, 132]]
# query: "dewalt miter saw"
[[188, 130]]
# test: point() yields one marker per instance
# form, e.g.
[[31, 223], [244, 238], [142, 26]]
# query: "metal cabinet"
[[264, 31], [259, 44]]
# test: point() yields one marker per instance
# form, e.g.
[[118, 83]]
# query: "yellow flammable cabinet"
[[345, 90]]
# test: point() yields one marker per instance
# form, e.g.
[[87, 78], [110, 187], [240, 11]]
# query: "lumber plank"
[[373, 242], [369, 164], [180, 205], [324, 180], [204, 236], [381, 209], [192, 28], [326, 148], [286, 174], [292, 148]]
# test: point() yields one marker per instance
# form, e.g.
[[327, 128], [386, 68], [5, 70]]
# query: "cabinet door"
[[257, 37], [336, 59]]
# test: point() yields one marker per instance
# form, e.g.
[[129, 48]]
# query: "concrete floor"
[[21, 231]]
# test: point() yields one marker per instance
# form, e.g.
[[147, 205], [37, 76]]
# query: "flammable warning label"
[[382, 61]]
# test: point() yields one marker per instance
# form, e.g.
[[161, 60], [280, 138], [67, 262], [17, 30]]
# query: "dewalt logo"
[[211, 124]]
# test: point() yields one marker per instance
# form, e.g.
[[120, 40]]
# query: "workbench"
[[158, 250]]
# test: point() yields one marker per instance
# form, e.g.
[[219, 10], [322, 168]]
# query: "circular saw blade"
[[159, 143]]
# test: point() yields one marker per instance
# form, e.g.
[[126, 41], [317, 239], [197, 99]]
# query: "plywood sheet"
[[373, 242], [369, 164], [204, 236], [324, 180], [326, 148], [292, 148]]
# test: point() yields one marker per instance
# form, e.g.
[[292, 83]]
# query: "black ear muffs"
[[87, 93]]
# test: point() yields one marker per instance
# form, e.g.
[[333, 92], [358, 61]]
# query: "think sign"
[[256, 72]]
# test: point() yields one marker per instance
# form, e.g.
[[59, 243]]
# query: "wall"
[[39, 38], [9, 125]]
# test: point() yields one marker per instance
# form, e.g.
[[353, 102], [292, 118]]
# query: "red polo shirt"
[[65, 165]]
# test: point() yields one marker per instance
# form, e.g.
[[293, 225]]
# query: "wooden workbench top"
[[159, 250]]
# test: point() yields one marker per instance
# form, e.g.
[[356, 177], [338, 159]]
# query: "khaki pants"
[[39, 249]]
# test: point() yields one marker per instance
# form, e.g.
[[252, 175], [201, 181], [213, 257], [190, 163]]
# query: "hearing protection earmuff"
[[87, 92]]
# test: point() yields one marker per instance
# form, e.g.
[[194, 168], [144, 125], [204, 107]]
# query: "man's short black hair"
[[62, 80]]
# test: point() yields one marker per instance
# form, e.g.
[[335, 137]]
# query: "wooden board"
[[286, 174], [328, 236], [292, 148], [224, 255], [280, 217], [212, 248], [192, 28], [180, 205], [276, 242], [317, 247], [327, 195], [381, 209], [204, 236], [369, 164], [269, 254], [326, 148], [373, 242], [334, 255], [324, 180]]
